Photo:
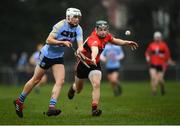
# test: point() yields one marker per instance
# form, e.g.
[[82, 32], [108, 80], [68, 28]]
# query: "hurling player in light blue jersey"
[[112, 55], [63, 34]]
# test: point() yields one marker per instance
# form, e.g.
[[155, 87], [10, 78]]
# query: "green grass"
[[135, 106]]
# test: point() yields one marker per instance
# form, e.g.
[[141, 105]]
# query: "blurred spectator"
[[33, 60], [14, 58], [158, 57], [13, 65], [116, 13], [22, 62], [22, 67], [112, 55]]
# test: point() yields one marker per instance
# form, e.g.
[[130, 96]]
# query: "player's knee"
[[96, 85], [95, 75], [60, 82], [35, 80]]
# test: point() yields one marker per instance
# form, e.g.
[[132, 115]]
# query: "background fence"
[[11, 76]]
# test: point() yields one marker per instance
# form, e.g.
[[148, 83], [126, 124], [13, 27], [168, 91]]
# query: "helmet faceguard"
[[102, 24], [72, 12], [102, 28]]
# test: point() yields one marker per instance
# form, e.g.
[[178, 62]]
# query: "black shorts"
[[109, 71], [159, 68], [82, 71], [46, 63]]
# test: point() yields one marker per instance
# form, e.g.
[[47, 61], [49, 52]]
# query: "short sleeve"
[[56, 28], [79, 32], [92, 42]]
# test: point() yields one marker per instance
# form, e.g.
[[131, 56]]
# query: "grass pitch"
[[135, 106]]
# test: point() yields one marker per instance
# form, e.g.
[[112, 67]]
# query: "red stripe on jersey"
[[94, 40], [158, 52]]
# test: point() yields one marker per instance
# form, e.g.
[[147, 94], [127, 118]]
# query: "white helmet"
[[157, 35], [70, 12]]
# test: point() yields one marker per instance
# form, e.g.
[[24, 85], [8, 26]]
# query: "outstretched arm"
[[121, 42]]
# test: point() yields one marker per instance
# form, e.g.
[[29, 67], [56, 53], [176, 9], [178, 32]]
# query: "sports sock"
[[22, 97], [94, 106], [52, 103]]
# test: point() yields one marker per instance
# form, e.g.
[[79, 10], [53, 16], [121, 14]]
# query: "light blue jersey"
[[62, 31], [113, 54]]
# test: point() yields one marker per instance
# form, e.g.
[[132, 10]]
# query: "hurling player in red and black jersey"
[[93, 47], [158, 57]]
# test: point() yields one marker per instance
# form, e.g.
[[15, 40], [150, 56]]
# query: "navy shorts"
[[109, 71], [82, 71], [159, 68], [46, 63]]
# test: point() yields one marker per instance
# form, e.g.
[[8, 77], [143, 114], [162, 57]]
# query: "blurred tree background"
[[24, 23]]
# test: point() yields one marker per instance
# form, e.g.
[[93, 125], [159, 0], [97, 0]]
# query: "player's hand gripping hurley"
[[81, 57]]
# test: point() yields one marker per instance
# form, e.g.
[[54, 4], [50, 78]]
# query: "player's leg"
[[43, 81], [95, 79], [59, 76], [76, 87], [81, 73], [38, 73], [114, 80], [161, 82], [154, 80]]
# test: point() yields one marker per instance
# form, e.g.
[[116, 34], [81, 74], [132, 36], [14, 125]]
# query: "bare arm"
[[121, 42], [79, 39], [80, 46], [52, 41], [94, 54], [80, 49]]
